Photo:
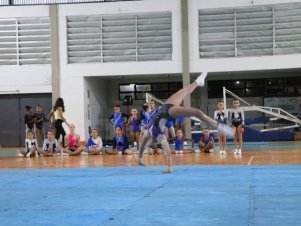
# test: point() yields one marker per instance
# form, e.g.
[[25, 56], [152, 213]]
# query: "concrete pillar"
[[55, 66], [185, 60]]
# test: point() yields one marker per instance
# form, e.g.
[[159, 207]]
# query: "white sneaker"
[[84, 153], [28, 155], [20, 154], [201, 79], [211, 150], [181, 151], [221, 152], [224, 153], [177, 152], [197, 151], [234, 151], [225, 130], [239, 151]]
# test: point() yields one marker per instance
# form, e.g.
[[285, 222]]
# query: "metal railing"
[[51, 2]]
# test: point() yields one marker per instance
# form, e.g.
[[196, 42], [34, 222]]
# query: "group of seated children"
[[94, 144], [205, 144], [51, 146]]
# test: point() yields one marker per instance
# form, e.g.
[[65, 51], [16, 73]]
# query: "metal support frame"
[[149, 96], [277, 113]]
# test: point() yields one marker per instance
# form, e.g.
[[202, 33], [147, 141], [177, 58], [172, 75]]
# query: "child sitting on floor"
[[206, 143], [180, 141], [31, 146], [94, 144], [120, 143], [50, 145], [72, 142]]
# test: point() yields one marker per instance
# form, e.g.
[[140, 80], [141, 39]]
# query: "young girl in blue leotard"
[[120, 143], [180, 141], [135, 127], [118, 118]]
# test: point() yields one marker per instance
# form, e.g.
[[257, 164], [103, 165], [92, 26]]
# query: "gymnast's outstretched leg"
[[177, 111], [178, 97]]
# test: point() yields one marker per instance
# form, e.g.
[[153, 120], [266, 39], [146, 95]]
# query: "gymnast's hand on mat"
[[141, 163]]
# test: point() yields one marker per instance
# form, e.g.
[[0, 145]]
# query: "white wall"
[[96, 105], [72, 74], [25, 78], [238, 63], [23, 11]]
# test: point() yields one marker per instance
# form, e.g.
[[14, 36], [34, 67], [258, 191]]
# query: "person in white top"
[[51, 146], [94, 144], [221, 116], [31, 146], [237, 118]]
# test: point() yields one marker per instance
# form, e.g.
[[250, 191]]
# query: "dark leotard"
[[158, 120]]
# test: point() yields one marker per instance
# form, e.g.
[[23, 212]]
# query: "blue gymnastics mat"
[[141, 196]]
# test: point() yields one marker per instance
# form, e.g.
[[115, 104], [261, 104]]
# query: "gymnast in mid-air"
[[172, 109]]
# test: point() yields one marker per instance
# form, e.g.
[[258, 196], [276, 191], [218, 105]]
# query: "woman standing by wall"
[[58, 112]]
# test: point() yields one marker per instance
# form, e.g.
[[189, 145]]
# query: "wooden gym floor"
[[268, 153]]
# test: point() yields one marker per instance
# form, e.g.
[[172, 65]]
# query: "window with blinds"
[[250, 31], [24, 41], [119, 38], [4, 2], [254, 31], [216, 33], [288, 28], [8, 42]]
